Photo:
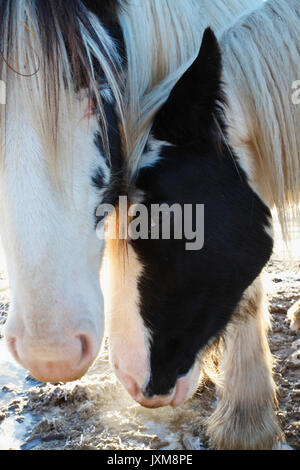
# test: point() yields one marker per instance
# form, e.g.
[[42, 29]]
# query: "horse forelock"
[[53, 52]]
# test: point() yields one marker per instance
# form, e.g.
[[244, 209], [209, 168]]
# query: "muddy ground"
[[96, 413]]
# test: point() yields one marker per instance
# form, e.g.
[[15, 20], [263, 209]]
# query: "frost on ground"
[[96, 413], [285, 346]]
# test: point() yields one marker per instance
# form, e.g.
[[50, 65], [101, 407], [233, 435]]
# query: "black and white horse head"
[[172, 302]]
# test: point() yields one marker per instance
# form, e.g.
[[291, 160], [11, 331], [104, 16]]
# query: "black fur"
[[115, 162], [189, 111], [188, 297], [107, 12]]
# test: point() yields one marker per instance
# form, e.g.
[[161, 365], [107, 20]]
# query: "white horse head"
[[55, 171]]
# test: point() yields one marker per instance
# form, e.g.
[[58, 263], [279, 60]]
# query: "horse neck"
[[222, 14], [261, 63]]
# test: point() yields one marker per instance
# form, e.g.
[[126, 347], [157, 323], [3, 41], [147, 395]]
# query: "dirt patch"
[[285, 346]]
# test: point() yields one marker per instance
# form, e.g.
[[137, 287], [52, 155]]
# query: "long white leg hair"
[[245, 414]]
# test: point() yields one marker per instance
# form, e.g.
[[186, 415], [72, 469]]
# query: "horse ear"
[[188, 112]]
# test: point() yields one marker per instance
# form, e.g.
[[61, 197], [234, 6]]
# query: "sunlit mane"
[[265, 121], [162, 39]]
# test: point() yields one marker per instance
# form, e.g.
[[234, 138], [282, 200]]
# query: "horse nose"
[[142, 398], [175, 398], [55, 362]]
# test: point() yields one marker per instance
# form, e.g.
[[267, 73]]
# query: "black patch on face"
[[188, 297], [114, 161], [107, 12]]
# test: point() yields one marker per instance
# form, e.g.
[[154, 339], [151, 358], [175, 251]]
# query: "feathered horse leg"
[[245, 414]]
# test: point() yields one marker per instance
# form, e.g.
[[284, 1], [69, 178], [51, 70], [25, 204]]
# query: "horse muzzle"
[[55, 362], [184, 389]]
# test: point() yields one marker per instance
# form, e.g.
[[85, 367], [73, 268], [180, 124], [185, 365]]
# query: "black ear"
[[188, 113]]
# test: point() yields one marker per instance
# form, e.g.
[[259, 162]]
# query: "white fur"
[[129, 339], [244, 417], [152, 156]]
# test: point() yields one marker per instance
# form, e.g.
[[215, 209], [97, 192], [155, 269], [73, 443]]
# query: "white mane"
[[162, 39], [261, 59], [261, 62]]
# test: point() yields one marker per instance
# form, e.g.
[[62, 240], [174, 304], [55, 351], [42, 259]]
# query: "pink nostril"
[[12, 346], [85, 347], [131, 386], [88, 348], [135, 391], [182, 388]]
